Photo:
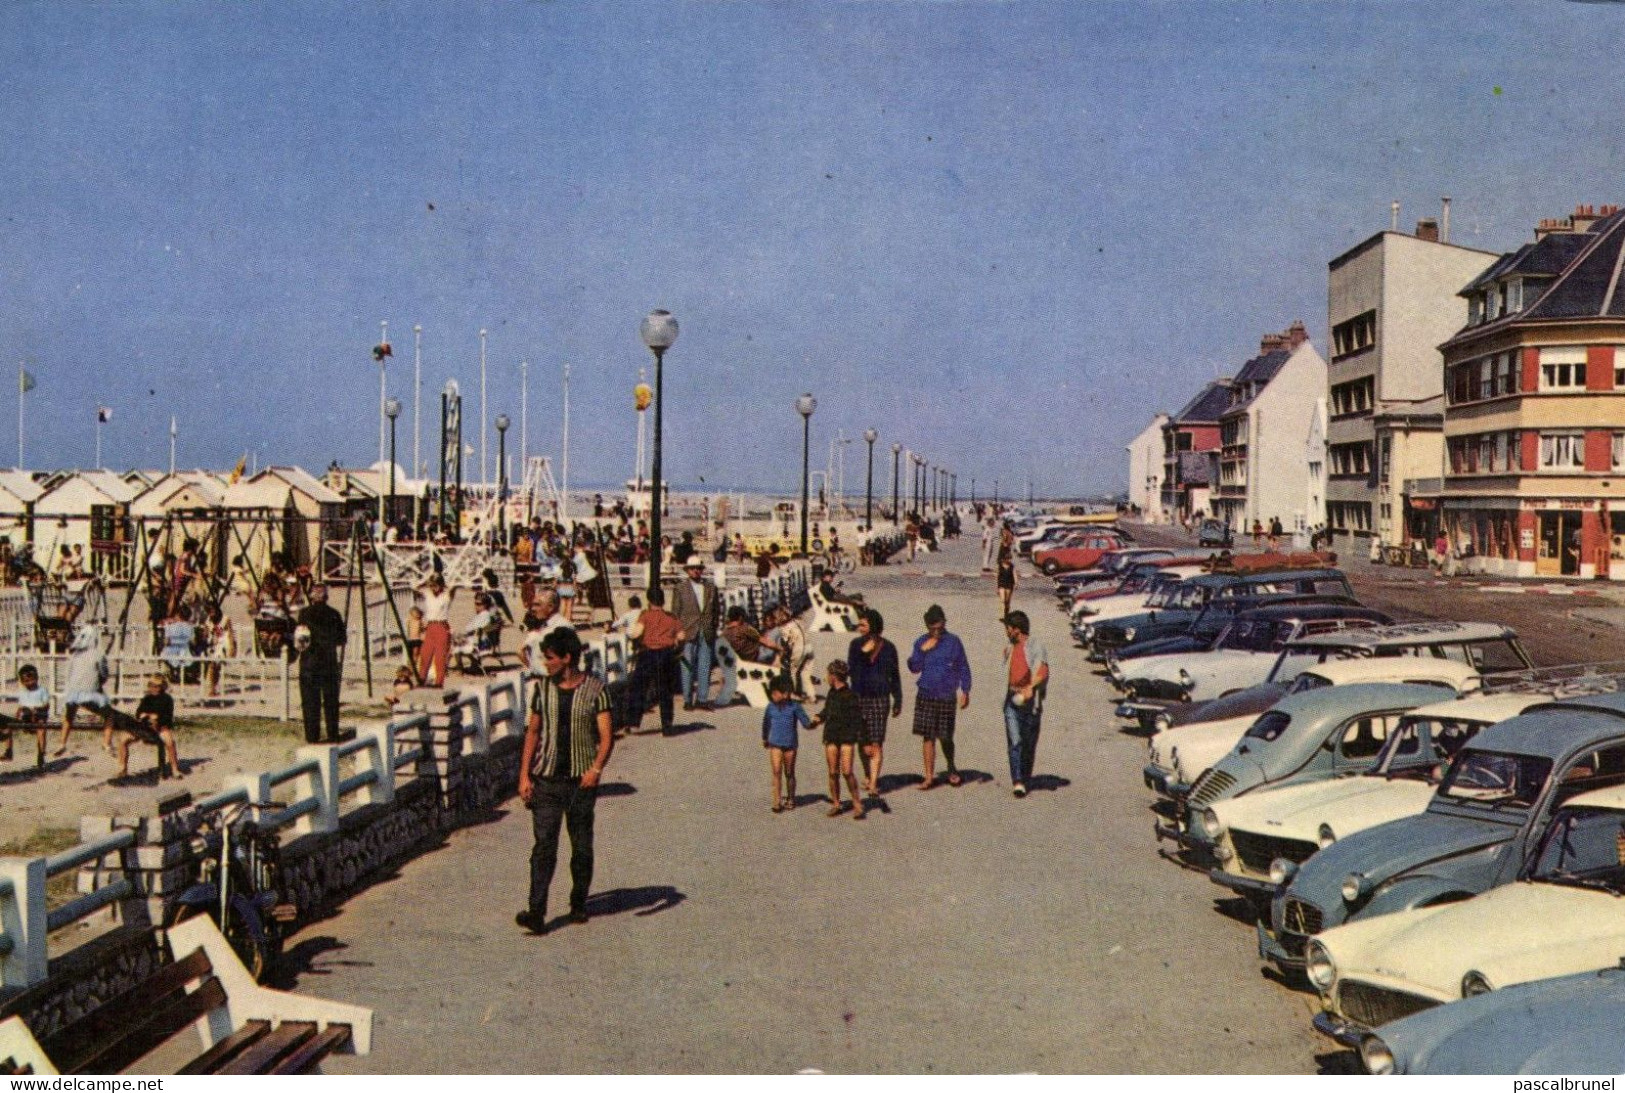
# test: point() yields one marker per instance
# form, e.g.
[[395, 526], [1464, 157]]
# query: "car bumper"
[[1143, 710], [1344, 1032], [1176, 832], [1250, 887], [1162, 782], [1279, 949]]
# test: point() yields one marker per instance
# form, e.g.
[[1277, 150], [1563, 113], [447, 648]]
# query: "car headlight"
[[1327, 836], [1210, 823], [1185, 679], [1354, 886], [1114, 669], [1128, 634], [1223, 852], [1173, 758], [1088, 631], [1282, 870], [1376, 1056], [1162, 722], [1474, 983], [1318, 966]]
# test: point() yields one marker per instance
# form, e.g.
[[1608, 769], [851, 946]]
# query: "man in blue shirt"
[[939, 660]]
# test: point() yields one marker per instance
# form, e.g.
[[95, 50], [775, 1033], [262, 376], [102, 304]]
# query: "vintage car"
[[1180, 753], [1204, 632], [1079, 550], [1567, 1025], [1491, 808], [1264, 837], [1150, 587], [1561, 916], [1244, 654], [1215, 533], [1101, 636], [1111, 570], [1307, 737], [1473, 644]]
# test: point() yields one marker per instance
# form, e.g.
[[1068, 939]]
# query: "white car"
[[1179, 755], [1561, 917], [1266, 836], [1142, 598]]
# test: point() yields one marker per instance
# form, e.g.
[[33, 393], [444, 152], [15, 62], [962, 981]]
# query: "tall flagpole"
[[524, 416], [98, 438], [173, 429], [565, 501], [485, 476], [22, 389], [417, 395], [383, 396]]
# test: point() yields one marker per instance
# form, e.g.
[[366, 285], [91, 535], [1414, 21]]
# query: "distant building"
[[1145, 470], [1262, 475], [1534, 419], [1190, 452], [1390, 301]]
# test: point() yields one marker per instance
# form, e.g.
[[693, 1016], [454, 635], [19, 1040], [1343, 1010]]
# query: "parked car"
[[1152, 640], [1244, 654], [1111, 568], [1215, 533], [1567, 1025], [1109, 601], [1180, 754], [1076, 551], [1161, 589], [1561, 916], [1491, 809], [1263, 838], [1308, 737]]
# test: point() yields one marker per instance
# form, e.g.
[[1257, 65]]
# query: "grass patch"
[[44, 842], [223, 725]]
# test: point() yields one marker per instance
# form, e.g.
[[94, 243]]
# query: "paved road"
[[959, 930]]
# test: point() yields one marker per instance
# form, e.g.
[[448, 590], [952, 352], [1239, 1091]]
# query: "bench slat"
[[332, 1038], [118, 1015], [226, 1049], [269, 1050], [113, 1057]]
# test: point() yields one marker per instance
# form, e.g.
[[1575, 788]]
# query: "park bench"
[[748, 680], [831, 616], [244, 1028]]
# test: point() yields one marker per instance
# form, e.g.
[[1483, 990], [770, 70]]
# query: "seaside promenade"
[[953, 931]]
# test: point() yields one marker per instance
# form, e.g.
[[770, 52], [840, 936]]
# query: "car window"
[[1497, 656], [1583, 846], [1592, 770], [1333, 586], [1270, 725], [1305, 681], [1252, 635], [1363, 737], [1495, 779]]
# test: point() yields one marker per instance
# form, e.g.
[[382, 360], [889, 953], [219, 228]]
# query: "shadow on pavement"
[[648, 900], [28, 774], [684, 728], [301, 961], [616, 789], [1239, 909], [1047, 783], [1339, 1062]]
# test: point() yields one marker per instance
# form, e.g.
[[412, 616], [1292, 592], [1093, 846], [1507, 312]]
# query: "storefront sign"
[[1526, 538]]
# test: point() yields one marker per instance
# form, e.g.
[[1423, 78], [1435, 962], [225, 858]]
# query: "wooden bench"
[[245, 1028], [747, 679]]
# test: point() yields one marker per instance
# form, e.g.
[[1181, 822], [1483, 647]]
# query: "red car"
[[1077, 552]]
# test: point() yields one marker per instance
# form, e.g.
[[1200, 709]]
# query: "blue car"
[[1569, 1025], [1491, 808]]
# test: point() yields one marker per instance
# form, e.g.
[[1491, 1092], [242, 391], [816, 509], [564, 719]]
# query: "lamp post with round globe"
[[896, 503], [871, 436], [805, 405], [502, 424], [658, 331], [392, 410]]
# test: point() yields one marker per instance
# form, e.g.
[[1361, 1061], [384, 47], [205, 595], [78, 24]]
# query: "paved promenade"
[[959, 930]]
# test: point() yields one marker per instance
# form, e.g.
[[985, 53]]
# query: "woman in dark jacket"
[[871, 662]]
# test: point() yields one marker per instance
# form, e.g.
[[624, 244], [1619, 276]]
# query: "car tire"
[[1051, 567]]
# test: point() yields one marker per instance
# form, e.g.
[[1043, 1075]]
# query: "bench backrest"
[[119, 1032]]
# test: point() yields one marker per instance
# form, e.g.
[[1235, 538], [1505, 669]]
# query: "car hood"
[[1201, 746], [1252, 700], [1160, 646], [1125, 610], [1381, 852], [1568, 1025], [1346, 805], [1503, 933]]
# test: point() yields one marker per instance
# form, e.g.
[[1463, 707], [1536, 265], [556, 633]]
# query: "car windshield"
[[1495, 778], [1270, 725], [1422, 747], [1188, 595], [1584, 847], [1254, 635]]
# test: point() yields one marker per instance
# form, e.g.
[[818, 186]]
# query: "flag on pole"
[[237, 471], [25, 380], [174, 430], [104, 414]]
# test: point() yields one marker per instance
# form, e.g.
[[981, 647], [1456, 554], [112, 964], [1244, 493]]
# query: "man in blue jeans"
[[695, 603], [1028, 679]]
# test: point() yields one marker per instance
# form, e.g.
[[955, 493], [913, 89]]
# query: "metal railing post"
[[24, 921]]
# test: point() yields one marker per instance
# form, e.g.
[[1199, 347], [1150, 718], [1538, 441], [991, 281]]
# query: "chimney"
[[1584, 216], [1296, 335], [1444, 226], [1393, 216], [1427, 230], [1269, 343]]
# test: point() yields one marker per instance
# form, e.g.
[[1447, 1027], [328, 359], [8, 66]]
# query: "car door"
[[1358, 740], [1593, 768]]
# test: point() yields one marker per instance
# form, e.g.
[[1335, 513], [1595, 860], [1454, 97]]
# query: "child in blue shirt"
[[33, 708], [779, 723]]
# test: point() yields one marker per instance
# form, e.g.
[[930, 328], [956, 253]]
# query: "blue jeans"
[[1021, 734], [697, 670]]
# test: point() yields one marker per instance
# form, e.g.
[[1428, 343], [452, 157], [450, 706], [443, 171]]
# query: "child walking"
[[779, 723], [843, 721]]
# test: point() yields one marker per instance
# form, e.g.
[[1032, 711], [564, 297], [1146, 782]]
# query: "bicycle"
[[239, 886]]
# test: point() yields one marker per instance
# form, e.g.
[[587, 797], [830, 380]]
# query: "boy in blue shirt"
[[33, 708], [779, 723]]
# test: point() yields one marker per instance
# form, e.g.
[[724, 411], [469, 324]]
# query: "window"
[[1364, 736], [1506, 374], [1355, 335], [1562, 451], [1563, 368], [1619, 451], [1475, 309]]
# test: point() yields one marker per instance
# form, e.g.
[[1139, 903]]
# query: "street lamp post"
[[502, 424], [871, 436], [392, 410], [896, 505], [658, 331], [805, 405]]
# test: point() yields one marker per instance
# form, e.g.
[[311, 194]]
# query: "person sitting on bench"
[[33, 708], [153, 723]]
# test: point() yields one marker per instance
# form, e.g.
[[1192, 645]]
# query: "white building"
[[1145, 471]]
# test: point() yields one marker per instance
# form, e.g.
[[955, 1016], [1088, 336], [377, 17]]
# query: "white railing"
[[311, 795]]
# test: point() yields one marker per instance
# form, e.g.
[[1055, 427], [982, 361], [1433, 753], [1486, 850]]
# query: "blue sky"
[[1003, 234]]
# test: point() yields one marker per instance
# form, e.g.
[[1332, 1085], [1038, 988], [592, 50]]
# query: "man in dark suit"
[[696, 604], [319, 668]]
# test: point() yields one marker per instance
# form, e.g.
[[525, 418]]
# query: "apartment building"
[[1145, 471], [1190, 451]]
